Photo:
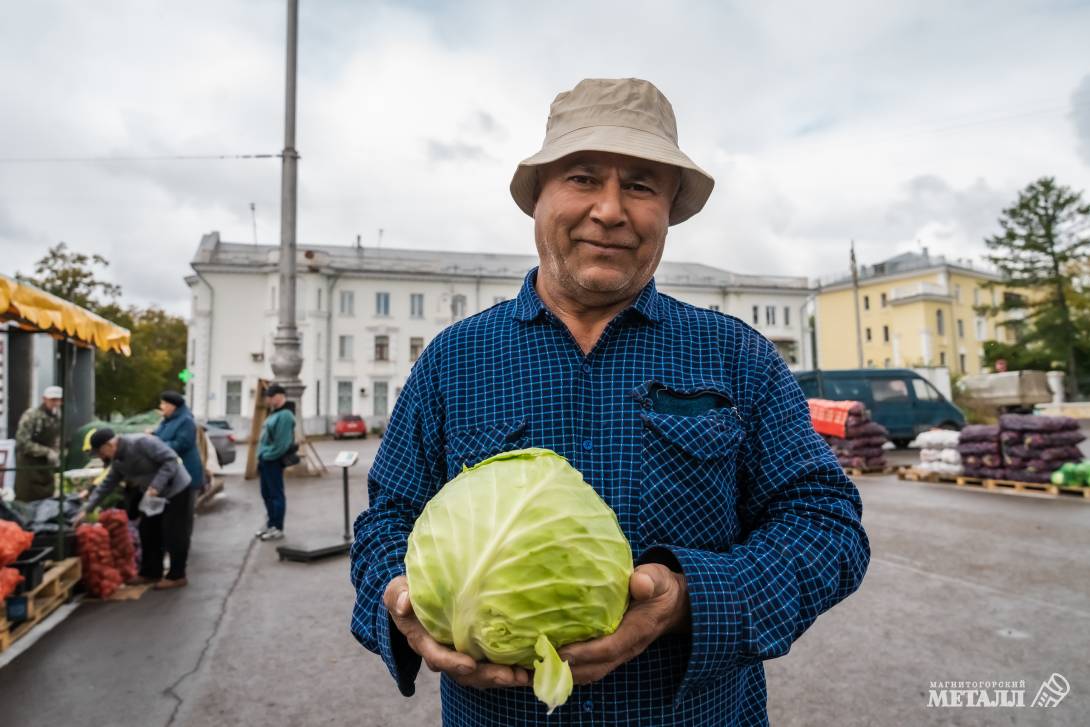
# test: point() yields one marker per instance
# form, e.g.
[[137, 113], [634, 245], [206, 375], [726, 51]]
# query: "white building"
[[365, 314]]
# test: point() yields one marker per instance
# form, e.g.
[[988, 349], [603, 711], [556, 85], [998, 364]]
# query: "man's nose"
[[608, 209]]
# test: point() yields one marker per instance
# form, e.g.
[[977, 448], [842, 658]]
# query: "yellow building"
[[915, 310]]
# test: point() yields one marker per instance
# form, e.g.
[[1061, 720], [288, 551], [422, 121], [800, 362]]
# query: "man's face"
[[600, 223], [108, 450], [53, 405], [277, 400]]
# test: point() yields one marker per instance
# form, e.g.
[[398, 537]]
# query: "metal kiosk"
[[306, 553]]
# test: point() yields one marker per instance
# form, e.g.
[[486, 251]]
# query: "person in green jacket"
[[277, 437], [37, 447]]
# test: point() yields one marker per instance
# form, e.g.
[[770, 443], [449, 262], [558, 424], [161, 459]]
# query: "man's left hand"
[[152, 492], [659, 605]]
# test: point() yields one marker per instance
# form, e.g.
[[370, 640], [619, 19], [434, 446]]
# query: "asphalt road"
[[963, 585]]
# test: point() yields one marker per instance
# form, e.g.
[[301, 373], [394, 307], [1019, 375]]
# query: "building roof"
[[909, 263], [214, 254]]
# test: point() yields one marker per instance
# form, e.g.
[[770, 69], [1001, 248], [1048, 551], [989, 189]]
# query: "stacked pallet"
[[978, 445], [38, 603], [1033, 447], [846, 426]]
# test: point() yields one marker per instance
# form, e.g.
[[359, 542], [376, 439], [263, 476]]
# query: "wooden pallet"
[[1069, 491], [964, 480], [917, 475], [55, 588], [1036, 487], [861, 471]]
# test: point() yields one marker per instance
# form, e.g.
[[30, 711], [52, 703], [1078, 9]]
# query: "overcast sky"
[[897, 124]]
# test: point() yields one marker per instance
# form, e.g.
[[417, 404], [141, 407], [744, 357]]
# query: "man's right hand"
[[461, 668]]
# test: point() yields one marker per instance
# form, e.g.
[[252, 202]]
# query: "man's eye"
[[581, 179], [642, 188]]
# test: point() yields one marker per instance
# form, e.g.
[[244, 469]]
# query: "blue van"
[[901, 400]]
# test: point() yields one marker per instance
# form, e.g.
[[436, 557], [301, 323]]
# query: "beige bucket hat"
[[620, 115]]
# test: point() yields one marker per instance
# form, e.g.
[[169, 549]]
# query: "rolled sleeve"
[[804, 550], [407, 472]]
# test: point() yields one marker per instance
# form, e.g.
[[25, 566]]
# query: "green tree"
[[123, 384], [72, 276], [1043, 235]]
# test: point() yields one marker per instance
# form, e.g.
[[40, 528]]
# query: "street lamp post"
[[287, 360]]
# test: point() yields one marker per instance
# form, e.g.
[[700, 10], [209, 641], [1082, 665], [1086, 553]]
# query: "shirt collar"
[[529, 306]]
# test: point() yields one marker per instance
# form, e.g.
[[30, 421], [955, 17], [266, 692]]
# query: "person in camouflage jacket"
[[37, 447]]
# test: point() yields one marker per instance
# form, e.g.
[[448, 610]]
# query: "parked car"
[[350, 425], [901, 400], [223, 439]]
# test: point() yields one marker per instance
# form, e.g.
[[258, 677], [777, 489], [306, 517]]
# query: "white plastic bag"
[[152, 506]]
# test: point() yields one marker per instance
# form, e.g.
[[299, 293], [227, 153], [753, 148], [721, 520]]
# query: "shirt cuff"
[[716, 610], [400, 659]]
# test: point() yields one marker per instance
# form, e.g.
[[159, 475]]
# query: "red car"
[[350, 425]]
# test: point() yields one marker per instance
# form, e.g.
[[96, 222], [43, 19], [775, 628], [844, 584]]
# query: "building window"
[[381, 405], [981, 328], [274, 304], [193, 353], [940, 323], [787, 315], [884, 300], [458, 307], [961, 328], [887, 363], [770, 315], [976, 296], [756, 315], [993, 297], [232, 399], [867, 333], [961, 362], [942, 358], [416, 347], [866, 302], [344, 397], [344, 348], [319, 298], [957, 293], [885, 334], [348, 303], [416, 305], [318, 351], [714, 308], [382, 348], [382, 304]]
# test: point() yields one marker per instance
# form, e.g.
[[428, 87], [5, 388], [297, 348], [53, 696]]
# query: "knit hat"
[[100, 437], [172, 397], [274, 389]]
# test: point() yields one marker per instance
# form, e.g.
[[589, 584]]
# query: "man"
[[148, 467], [37, 447], [686, 421], [277, 438]]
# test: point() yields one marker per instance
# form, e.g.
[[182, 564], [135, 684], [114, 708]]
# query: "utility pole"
[[287, 360], [855, 296]]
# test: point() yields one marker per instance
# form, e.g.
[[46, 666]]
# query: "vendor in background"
[[37, 447], [148, 466], [178, 431]]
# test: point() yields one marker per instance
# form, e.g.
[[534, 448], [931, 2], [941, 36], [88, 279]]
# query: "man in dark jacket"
[[149, 468], [37, 445], [179, 432]]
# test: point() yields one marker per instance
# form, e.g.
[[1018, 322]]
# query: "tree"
[[71, 275], [1044, 235], [123, 384]]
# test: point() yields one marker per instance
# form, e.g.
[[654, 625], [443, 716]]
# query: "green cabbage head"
[[516, 557]]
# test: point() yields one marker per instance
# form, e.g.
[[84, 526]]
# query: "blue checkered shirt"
[[743, 498]]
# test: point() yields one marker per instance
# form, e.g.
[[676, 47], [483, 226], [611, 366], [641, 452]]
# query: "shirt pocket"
[[466, 446], [689, 476]]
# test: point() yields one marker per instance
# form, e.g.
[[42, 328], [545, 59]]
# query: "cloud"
[[887, 122], [1080, 116]]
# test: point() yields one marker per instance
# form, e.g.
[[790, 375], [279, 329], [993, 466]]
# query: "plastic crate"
[[17, 608], [49, 540], [31, 565]]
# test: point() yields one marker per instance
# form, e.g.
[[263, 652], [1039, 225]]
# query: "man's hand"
[[659, 605], [79, 517], [53, 458], [152, 492], [461, 668]]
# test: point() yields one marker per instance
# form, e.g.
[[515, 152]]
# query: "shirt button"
[[588, 705], [588, 445], [586, 368]]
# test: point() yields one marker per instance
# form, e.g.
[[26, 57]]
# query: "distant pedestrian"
[[277, 440], [147, 466], [37, 447], [178, 431]]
